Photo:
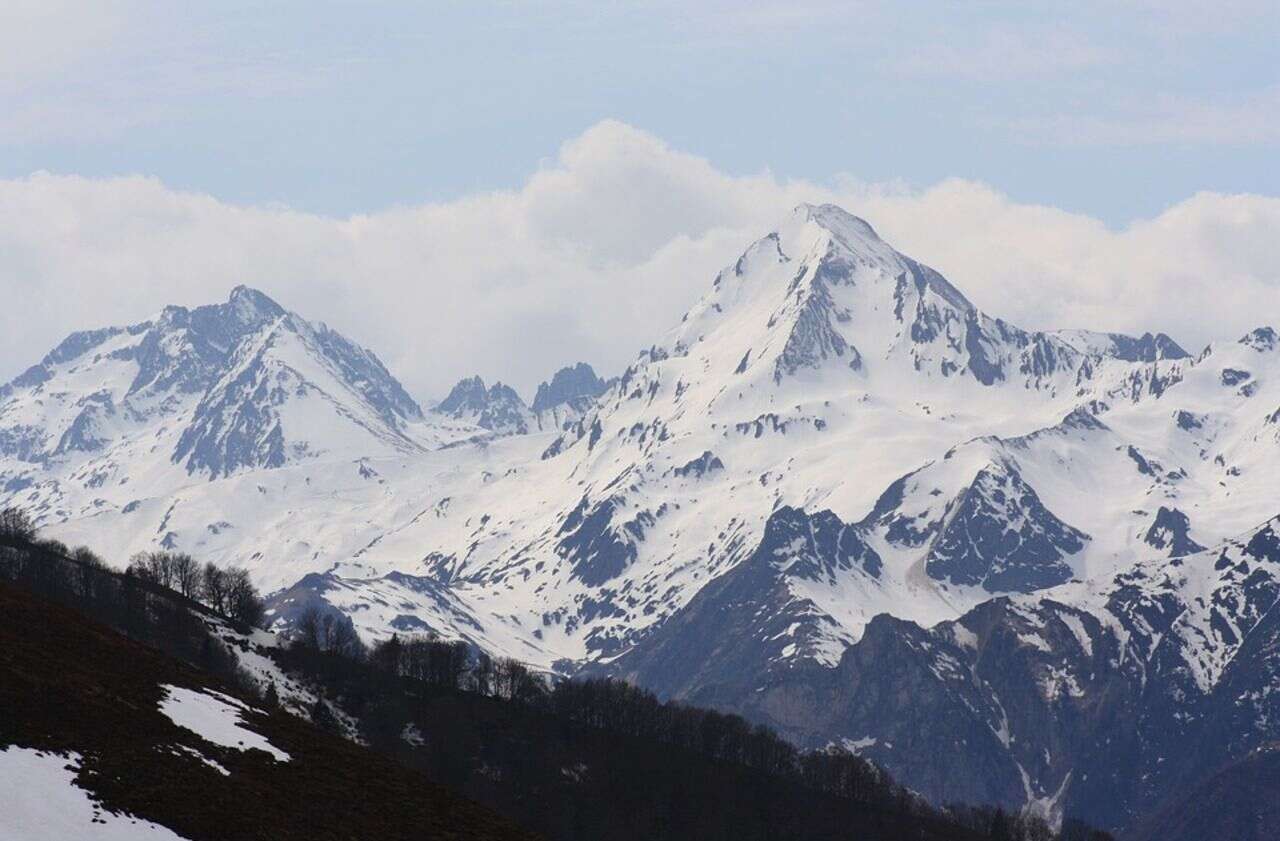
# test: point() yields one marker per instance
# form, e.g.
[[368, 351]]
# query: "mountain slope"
[[1238, 801], [150, 425], [820, 348], [149, 739], [1094, 700]]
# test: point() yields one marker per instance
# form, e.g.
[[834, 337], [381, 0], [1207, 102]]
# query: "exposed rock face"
[[576, 386], [497, 408], [1000, 536], [755, 619], [1101, 714], [1263, 339], [1170, 530], [1147, 348], [699, 467]]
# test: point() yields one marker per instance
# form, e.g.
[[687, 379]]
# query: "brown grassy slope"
[[68, 684]]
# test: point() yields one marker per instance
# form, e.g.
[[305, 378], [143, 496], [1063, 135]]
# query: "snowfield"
[[215, 718], [43, 803]]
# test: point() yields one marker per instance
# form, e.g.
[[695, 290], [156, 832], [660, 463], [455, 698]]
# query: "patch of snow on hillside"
[[215, 718], [43, 803], [1076, 626]]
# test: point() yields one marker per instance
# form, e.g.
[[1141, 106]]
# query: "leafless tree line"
[[228, 591]]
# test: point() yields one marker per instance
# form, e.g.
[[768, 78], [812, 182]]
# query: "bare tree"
[[327, 631], [156, 567], [90, 572], [15, 524], [244, 605], [139, 568], [214, 585], [514, 681], [341, 636], [186, 575], [482, 674], [161, 564], [308, 632]]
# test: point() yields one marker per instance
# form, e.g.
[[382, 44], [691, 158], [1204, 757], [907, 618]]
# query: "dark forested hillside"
[[73, 686]]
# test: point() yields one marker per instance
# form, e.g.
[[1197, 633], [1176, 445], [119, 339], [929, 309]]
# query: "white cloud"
[[1207, 268], [595, 257]]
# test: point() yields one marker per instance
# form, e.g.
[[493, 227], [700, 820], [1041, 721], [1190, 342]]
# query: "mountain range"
[[1032, 568]]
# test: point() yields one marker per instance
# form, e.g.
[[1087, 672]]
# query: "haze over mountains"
[[836, 497]]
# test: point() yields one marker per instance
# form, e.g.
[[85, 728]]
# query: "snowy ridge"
[[819, 349]]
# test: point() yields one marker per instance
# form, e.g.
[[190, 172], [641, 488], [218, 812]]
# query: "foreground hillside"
[[104, 737]]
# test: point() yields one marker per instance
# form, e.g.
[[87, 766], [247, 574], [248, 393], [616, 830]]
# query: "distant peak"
[[1147, 348], [468, 391], [571, 383], [471, 395], [503, 391], [1164, 347], [837, 220], [252, 305]]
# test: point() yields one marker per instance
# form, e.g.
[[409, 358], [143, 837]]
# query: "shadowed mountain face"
[[1236, 801], [976, 546], [1103, 709], [832, 456]]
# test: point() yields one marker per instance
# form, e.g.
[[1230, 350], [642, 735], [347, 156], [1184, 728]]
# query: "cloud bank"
[[596, 256]]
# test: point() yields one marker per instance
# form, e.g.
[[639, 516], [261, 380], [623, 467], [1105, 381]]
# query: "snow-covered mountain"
[[569, 395], [572, 390], [819, 370], [239, 385], [131, 423], [497, 408], [834, 457]]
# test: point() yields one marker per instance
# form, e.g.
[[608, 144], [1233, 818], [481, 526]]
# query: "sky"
[[505, 188]]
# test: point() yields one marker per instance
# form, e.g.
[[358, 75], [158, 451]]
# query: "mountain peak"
[[252, 306], [497, 407], [211, 382], [571, 384], [837, 220], [468, 394]]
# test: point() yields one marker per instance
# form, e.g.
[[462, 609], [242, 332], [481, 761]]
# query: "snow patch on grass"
[[43, 803], [215, 718]]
